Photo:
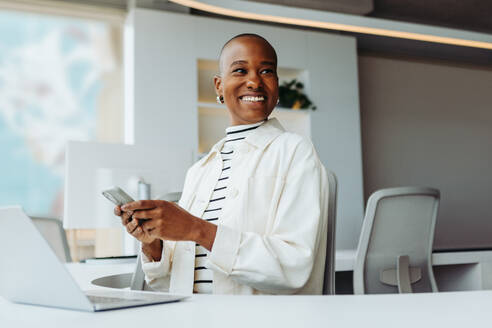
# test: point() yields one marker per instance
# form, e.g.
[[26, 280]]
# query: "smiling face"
[[248, 81]]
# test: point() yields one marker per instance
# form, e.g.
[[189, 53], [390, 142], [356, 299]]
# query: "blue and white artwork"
[[50, 81]]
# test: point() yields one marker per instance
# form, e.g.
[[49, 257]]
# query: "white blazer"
[[271, 237]]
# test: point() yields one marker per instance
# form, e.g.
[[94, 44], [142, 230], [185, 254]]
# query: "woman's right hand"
[[151, 246], [133, 226]]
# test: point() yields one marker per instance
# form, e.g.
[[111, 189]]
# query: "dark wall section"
[[430, 124]]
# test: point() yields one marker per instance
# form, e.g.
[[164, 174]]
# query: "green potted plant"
[[291, 95]]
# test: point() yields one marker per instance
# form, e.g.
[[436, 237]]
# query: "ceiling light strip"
[[222, 10]]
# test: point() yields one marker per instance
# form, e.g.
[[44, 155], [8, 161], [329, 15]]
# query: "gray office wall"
[[430, 124]]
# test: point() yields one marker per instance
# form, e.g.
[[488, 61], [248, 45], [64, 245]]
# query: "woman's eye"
[[239, 70], [267, 70]]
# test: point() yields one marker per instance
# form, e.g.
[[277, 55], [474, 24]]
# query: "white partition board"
[[92, 167]]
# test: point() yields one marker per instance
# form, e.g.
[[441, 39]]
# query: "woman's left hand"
[[167, 220]]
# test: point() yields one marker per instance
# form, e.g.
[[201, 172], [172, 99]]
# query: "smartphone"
[[117, 196]]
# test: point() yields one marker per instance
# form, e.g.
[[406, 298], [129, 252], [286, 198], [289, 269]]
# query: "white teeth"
[[250, 98]]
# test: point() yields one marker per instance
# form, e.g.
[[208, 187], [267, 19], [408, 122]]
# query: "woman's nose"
[[254, 81]]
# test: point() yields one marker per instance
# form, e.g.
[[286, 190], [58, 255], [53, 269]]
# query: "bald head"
[[260, 41]]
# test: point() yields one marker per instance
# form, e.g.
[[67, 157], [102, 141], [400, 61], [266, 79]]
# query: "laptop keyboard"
[[109, 300]]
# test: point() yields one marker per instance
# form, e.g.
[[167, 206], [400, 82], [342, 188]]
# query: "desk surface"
[[418, 310]]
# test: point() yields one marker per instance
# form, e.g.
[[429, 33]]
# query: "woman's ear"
[[218, 84]]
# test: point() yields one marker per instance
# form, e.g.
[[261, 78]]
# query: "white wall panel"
[[335, 125]]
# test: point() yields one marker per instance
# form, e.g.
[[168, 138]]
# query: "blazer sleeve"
[[282, 260], [157, 273]]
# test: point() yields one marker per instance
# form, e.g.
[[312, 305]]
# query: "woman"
[[251, 219]]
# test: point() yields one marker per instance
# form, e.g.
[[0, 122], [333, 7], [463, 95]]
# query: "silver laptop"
[[31, 273]]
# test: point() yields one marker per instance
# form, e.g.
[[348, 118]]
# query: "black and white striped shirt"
[[234, 136]]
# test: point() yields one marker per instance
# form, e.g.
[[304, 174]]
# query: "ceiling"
[[473, 15]]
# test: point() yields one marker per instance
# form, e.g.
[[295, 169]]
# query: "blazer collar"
[[259, 138]]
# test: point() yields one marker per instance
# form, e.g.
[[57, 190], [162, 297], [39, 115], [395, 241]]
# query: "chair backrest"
[[329, 281], [52, 230], [398, 229]]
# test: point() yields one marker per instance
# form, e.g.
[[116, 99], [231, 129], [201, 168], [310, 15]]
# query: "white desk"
[[418, 310]]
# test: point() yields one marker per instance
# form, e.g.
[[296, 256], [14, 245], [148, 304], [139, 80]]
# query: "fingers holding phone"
[[126, 217], [151, 247], [134, 228], [119, 197], [117, 210]]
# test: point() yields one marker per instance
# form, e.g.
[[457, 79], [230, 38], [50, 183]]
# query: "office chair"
[[329, 280], [395, 246], [52, 230]]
